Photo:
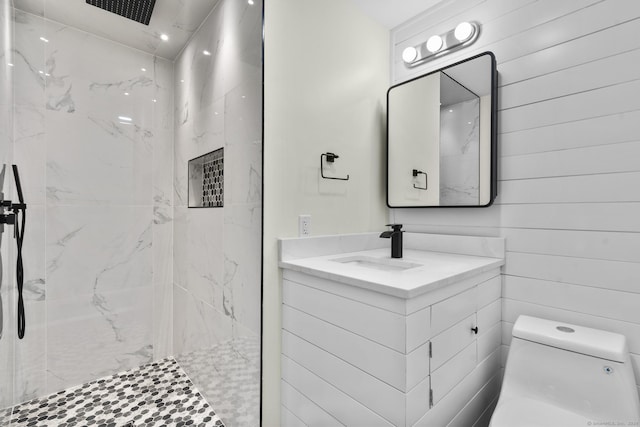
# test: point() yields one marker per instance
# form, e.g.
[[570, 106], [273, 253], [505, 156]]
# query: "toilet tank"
[[582, 370]]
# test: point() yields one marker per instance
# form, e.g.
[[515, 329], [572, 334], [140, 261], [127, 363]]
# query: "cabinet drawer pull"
[[475, 330]]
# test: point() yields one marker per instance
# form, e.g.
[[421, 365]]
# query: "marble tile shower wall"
[[218, 100], [7, 317], [94, 141], [460, 153]]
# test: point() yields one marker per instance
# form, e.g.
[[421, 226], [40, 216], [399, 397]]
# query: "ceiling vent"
[[136, 10]]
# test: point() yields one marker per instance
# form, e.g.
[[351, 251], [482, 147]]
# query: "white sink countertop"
[[434, 269]]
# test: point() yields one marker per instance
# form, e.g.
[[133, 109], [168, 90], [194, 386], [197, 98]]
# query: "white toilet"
[[566, 375]]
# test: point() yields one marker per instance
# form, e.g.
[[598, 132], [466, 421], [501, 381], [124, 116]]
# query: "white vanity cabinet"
[[357, 352], [361, 359]]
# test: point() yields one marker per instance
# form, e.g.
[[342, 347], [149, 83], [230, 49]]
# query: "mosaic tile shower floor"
[[157, 394]]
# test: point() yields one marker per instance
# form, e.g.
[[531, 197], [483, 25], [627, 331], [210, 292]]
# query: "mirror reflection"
[[441, 137]]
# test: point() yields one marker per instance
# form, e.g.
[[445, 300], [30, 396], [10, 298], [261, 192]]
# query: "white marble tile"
[[243, 173], [28, 59], [93, 250], [180, 169], [33, 254], [102, 188], [162, 174], [30, 354], [163, 107], [30, 152], [8, 336], [207, 127], [180, 252], [243, 111], [91, 336], [197, 325], [229, 375], [205, 258], [162, 248], [106, 81], [460, 153], [7, 300], [242, 252], [111, 161], [202, 74]]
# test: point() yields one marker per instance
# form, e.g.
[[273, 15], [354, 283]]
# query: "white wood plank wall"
[[569, 157]]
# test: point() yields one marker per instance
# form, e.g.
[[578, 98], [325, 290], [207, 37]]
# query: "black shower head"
[[137, 10]]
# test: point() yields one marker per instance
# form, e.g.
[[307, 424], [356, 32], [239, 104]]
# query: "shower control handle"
[[475, 330]]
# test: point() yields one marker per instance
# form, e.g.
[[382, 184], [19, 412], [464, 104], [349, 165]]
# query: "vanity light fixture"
[[409, 54], [437, 45], [434, 44]]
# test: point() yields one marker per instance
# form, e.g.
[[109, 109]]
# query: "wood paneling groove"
[[598, 188], [593, 160], [613, 246], [617, 39], [602, 129], [570, 81], [612, 275]]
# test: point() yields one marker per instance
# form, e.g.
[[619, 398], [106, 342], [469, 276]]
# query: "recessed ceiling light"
[[206, 52], [10, 64], [143, 69], [451, 111], [126, 93], [250, 2], [44, 39], [155, 100], [164, 37], [41, 72], [125, 118], [181, 81]]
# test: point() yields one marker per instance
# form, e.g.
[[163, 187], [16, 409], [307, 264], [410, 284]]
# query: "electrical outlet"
[[304, 225]]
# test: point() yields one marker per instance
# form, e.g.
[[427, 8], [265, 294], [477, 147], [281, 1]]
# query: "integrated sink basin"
[[383, 264]]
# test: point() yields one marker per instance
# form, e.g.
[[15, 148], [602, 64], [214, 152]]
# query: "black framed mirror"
[[442, 137]]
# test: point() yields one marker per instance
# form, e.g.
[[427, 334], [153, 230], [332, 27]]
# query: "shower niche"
[[206, 180]]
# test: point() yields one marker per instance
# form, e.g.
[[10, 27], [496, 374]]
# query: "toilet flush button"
[[565, 329]]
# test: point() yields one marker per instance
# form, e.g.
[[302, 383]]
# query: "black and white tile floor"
[[157, 394]]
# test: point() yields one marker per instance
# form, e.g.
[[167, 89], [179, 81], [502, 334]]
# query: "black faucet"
[[396, 239]]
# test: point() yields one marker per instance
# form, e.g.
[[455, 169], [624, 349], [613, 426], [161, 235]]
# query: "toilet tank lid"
[[580, 339]]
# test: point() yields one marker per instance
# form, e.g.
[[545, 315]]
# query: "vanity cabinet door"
[[451, 341], [450, 311], [452, 372]]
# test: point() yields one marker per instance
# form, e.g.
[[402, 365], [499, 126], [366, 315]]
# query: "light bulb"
[[434, 44], [464, 31], [164, 37], [409, 54]]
